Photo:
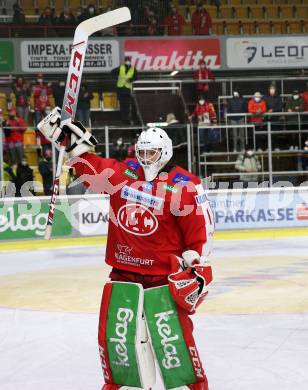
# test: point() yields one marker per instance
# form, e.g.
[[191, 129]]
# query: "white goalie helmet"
[[153, 151]]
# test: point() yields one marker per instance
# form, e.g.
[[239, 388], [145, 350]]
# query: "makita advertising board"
[[267, 52], [173, 54]]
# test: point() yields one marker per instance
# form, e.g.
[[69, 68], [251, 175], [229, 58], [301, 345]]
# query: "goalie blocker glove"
[[188, 287], [80, 139]]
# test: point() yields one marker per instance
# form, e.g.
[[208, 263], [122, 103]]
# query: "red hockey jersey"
[[149, 220]]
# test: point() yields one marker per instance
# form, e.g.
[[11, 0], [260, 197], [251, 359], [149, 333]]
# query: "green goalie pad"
[[122, 334], [167, 338]]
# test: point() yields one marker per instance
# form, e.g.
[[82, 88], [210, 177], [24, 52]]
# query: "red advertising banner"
[[173, 54]]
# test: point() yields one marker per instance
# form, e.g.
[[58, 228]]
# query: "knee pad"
[[172, 340], [125, 350]]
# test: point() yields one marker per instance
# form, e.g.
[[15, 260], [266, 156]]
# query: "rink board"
[[88, 215]]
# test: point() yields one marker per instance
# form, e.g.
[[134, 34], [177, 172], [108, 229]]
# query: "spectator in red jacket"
[[41, 92], [21, 91], [201, 21], [174, 22], [14, 128], [203, 73], [204, 111], [257, 107], [305, 97]]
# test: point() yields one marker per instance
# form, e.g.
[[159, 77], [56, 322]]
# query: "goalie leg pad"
[[170, 330], [125, 350]]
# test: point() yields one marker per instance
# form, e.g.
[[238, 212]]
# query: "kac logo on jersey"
[[181, 179], [137, 219]]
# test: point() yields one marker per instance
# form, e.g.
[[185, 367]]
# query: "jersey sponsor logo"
[[141, 197], [148, 186], [131, 174], [137, 219], [170, 188], [202, 198], [124, 316], [171, 359], [134, 165], [181, 179], [123, 255]]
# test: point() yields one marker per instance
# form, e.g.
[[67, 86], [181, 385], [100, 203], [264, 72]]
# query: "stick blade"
[[102, 21]]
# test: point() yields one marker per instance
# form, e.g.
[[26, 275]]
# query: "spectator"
[[273, 101], [294, 104], [305, 157], [151, 23], [66, 20], [14, 128], [8, 187], [257, 107], [90, 12], [203, 73], [205, 112], [18, 16], [206, 115], [24, 174], [305, 98], [58, 93], [274, 104], [41, 92], [131, 149], [118, 151], [83, 106], [80, 15], [47, 18], [175, 130], [174, 22], [125, 74], [237, 105], [248, 162], [45, 169], [21, 91], [201, 21]]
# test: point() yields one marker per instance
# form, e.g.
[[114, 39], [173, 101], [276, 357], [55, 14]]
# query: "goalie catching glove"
[[80, 140], [188, 286]]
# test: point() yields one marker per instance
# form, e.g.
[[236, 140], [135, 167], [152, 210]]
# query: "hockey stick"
[[82, 33]]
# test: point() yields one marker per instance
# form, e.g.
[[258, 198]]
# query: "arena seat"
[[241, 12], [264, 27], [226, 12], [302, 11], [294, 27], [94, 102], [255, 12], [271, 12]]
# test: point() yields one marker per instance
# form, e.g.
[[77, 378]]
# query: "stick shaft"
[[82, 33]]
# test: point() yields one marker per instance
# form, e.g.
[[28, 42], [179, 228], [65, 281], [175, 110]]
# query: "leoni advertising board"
[[173, 54], [54, 56], [267, 52]]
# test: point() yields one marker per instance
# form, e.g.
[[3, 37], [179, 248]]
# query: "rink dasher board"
[[88, 215]]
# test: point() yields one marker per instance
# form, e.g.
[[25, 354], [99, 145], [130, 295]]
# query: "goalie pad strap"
[[174, 352]]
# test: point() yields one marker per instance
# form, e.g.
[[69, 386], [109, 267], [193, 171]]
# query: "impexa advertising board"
[[267, 52]]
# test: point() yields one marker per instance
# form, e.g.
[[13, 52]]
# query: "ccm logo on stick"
[[73, 83]]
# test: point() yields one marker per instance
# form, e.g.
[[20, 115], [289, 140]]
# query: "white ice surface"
[[58, 351]]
